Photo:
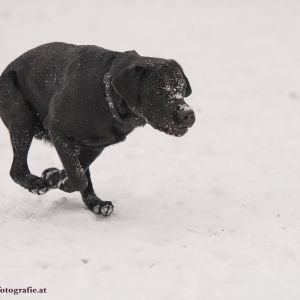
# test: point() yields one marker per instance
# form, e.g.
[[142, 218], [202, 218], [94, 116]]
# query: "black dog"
[[82, 99]]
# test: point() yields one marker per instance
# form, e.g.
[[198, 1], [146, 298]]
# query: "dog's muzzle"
[[185, 115]]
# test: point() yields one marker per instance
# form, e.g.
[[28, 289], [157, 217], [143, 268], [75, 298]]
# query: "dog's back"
[[40, 73]]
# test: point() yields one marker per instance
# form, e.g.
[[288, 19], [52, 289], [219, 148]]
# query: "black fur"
[[56, 92]]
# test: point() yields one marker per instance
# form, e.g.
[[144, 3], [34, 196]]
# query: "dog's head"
[[155, 89]]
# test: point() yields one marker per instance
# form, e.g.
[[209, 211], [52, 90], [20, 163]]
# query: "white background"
[[212, 215]]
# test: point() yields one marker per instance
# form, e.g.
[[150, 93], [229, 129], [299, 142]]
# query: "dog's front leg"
[[57, 179], [74, 178]]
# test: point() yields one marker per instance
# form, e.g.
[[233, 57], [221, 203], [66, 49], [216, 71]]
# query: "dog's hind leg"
[[21, 139], [20, 121]]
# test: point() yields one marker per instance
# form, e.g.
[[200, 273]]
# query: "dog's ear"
[[127, 84], [188, 91]]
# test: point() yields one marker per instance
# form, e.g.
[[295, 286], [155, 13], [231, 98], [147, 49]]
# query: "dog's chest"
[[98, 141]]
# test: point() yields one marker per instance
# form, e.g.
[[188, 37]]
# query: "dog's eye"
[[159, 92]]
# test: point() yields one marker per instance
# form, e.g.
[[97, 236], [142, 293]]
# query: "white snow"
[[175, 92], [212, 215], [185, 107]]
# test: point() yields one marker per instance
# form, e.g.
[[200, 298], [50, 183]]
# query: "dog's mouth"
[[172, 130]]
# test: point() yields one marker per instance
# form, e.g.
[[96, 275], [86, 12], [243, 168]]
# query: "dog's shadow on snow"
[[64, 205]]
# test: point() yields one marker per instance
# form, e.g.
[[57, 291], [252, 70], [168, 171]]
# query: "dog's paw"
[[37, 186], [58, 179], [96, 205], [104, 209], [52, 177]]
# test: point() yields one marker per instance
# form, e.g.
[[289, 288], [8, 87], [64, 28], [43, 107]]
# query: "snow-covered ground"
[[212, 215]]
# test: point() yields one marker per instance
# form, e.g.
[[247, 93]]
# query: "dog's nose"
[[186, 116]]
